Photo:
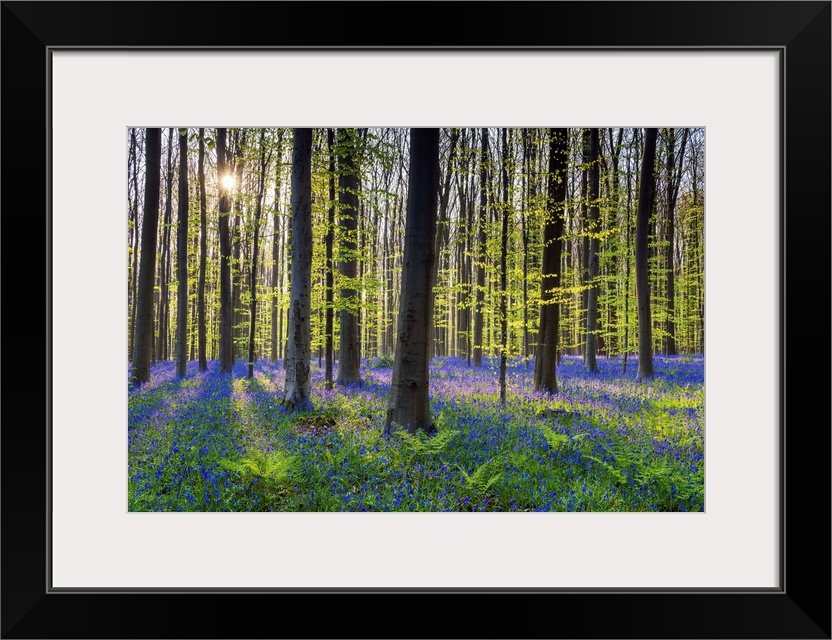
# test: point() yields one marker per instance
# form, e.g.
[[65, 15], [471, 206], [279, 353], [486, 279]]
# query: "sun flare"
[[228, 182]]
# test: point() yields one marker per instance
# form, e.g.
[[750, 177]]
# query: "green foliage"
[[420, 444], [483, 478], [272, 467]]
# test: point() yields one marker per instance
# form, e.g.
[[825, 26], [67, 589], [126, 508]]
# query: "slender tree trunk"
[[545, 378], [409, 406], [298, 346], [182, 260], [135, 243], [442, 226], [226, 309], [203, 254], [276, 244], [254, 247], [584, 262], [673, 177], [480, 283], [237, 242], [164, 267], [330, 238], [645, 198], [525, 233], [592, 282], [147, 267], [503, 269], [349, 360], [627, 265]]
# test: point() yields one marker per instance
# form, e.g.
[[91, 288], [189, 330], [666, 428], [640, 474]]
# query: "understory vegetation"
[[605, 442]]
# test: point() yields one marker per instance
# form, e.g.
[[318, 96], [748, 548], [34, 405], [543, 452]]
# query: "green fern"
[[561, 441], [482, 478], [423, 445], [274, 467]]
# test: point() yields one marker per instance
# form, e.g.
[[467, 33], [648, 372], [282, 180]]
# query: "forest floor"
[[605, 442]]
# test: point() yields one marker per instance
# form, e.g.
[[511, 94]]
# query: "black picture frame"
[[800, 608]]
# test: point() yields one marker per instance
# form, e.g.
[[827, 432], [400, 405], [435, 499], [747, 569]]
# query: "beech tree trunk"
[[480, 281], [409, 406], [255, 241], [545, 378], [276, 244], [182, 259], [593, 229], [147, 265], [584, 246], [203, 255], [226, 309], [673, 180], [237, 243], [349, 357], [298, 344], [503, 269], [134, 242], [164, 267], [330, 238], [645, 199]]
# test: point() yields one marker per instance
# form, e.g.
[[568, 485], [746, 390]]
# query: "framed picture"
[[755, 75]]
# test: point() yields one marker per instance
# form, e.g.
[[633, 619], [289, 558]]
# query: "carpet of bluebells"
[[605, 442]]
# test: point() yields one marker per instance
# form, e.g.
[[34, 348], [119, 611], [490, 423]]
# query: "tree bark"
[[503, 275], [182, 260], [480, 280], [592, 281], [298, 345], [147, 266], [226, 309], [255, 241], [645, 199], [525, 234], [409, 406], [203, 255], [584, 246], [164, 266], [545, 378], [330, 239], [673, 180], [237, 242], [276, 244], [349, 360]]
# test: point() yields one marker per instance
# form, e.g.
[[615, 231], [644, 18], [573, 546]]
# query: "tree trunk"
[[134, 243], [584, 246], [480, 281], [226, 309], [147, 266], [645, 198], [330, 238], [257, 210], [349, 360], [674, 178], [237, 242], [276, 244], [592, 281], [182, 259], [525, 234], [503, 269], [298, 346], [409, 406], [164, 267], [203, 255], [545, 378]]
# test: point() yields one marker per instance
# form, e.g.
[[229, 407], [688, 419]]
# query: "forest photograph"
[[453, 319]]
